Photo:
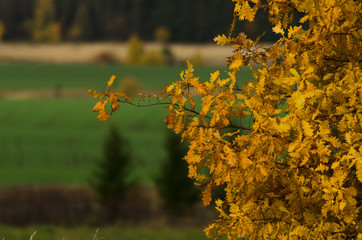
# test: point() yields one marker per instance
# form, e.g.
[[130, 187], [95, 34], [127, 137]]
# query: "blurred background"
[[63, 173]]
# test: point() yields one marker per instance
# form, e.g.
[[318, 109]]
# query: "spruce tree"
[[177, 191], [110, 177]]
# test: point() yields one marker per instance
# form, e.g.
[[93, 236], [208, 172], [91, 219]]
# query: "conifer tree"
[[177, 191], [109, 180]]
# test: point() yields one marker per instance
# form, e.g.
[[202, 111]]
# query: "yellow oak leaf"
[[294, 72], [359, 168], [209, 86], [169, 88], [214, 76], [102, 112], [236, 64], [99, 106], [124, 96], [110, 82], [246, 162], [206, 195], [222, 83], [282, 127], [221, 40], [308, 130], [278, 29], [103, 115], [113, 99], [299, 100], [95, 94], [205, 107]]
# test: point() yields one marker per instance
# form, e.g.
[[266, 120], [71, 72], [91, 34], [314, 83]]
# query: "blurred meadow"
[[51, 138], [51, 53]]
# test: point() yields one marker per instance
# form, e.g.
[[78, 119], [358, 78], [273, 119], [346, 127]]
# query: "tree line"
[[117, 20]]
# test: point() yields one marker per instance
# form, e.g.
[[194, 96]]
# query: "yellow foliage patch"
[[294, 170]]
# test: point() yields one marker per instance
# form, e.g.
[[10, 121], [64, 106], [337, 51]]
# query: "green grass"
[[59, 140], [106, 233], [20, 76]]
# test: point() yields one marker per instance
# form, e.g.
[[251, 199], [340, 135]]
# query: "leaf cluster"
[[296, 171]]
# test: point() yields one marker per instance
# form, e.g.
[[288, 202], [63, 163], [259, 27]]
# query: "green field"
[[20, 76], [59, 140], [106, 233]]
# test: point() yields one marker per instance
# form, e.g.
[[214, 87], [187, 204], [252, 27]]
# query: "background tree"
[[293, 170], [162, 36], [82, 28], [2, 30], [115, 19], [135, 51], [109, 180], [43, 27], [177, 191]]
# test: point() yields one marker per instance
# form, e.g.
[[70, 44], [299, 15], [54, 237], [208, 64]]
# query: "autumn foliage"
[[294, 172], [42, 27]]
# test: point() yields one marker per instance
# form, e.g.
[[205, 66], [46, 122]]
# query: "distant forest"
[[115, 20]]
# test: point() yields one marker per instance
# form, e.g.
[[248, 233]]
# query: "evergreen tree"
[[110, 177], [177, 191]]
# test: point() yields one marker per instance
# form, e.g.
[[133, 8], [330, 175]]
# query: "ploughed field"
[[47, 140]]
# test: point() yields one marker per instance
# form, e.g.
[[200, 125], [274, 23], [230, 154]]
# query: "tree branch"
[[187, 109]]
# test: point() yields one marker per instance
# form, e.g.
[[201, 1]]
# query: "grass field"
[[58, 140], [107, 233], [20, 76]]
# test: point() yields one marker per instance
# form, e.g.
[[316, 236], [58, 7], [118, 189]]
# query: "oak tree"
[[294, 172]]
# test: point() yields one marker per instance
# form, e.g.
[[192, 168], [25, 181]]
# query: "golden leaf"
[[245, 162], [222, 40], [113, 99], [95, 94], [124, 96], [206, 104], [359, 168], [236, 64], [206, 195], [103, 115], [299, 100], [222, 83], [282, 127], [278, 29], [99, 106], [110, 82], [169, 88], [294, 72], [214, 76], [348, 138], [308, 130]]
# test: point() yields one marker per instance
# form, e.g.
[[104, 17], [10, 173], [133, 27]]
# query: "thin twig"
[[176, 105], [95, 234], [32, 236]]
